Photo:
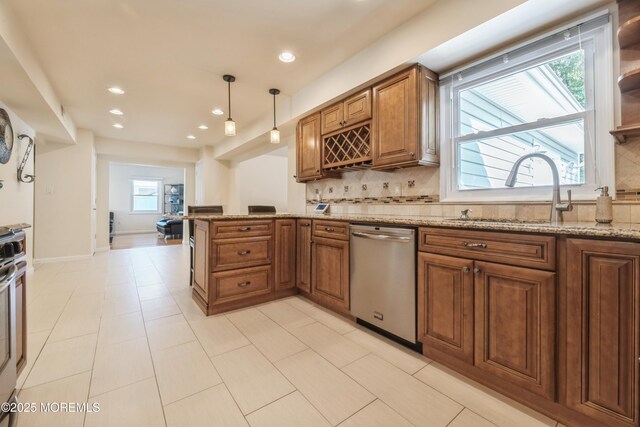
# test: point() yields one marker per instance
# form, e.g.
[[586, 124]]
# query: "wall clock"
[[6, 137]]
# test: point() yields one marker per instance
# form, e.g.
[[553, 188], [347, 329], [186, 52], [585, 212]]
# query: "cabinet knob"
[[465, 269], [476, 270], [412, 154], [318, 170]]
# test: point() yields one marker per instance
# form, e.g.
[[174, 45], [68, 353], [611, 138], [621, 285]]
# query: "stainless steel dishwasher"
[[383, 278]]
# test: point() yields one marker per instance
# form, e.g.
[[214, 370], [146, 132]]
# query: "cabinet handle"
[[244, 284], [474, 245], [304, 225], [476, 270], [245, 229], [465, 269], [412, 154], [244, 252], [329, 229]]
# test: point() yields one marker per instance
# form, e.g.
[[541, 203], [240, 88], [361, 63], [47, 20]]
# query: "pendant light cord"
[[229, 94], [274, 110]]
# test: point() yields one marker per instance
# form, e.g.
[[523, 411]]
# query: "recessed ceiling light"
[[116, 90], [217, 111], [287, 56], [116, 112], [117, 126], [191, 136], [203, 127]]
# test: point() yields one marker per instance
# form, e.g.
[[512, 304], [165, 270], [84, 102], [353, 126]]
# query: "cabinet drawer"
[[331, 229], [524, 250], [238, 284], [239, 253], [234, 229]]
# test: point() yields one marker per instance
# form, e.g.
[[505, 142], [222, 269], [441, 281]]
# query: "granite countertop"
[[617, 230]]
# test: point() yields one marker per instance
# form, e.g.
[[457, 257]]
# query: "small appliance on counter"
[[321, 208]]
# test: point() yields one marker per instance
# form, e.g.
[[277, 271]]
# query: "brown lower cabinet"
[[285, 254], [445, 301], [497, 317], [303, 255], [515, 325], [330, 273], [232, 272], [603, 330]]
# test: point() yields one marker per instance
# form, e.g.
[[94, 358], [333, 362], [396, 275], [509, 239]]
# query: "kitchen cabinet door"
[[445, 306], [285, 254], [309, 149], [201, 259], [395, 120], [603, 330], [330, 273], [357, 108], [303, 255], [515, 325], [332, 118]]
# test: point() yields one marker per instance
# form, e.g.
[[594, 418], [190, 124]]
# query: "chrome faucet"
[[557, 206]]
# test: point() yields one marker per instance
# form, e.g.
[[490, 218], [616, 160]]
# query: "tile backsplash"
[[369, 184], [414, 191]]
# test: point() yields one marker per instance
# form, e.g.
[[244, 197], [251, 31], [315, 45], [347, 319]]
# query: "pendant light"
[[229, 124], [275, 133]]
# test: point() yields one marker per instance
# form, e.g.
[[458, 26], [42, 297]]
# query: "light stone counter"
[[616, 230]]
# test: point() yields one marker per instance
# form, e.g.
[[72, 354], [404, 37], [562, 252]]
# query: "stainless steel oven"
[[9, 249]]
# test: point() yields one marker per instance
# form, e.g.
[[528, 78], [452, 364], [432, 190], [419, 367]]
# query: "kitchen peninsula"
[[507, 303]]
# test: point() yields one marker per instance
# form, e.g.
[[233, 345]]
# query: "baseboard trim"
[[37, 261], [103, 249]]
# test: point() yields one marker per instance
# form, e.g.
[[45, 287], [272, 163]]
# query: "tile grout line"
[[153, 366]]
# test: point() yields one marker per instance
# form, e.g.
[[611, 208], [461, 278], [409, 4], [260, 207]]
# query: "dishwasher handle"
[[386, 237]]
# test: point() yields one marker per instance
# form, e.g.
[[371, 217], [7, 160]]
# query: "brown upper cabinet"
[[392, 124], [309, 149], [352, 110], [404, 124]]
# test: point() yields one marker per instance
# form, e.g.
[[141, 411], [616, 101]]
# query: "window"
[[145, 196], [550, 96]]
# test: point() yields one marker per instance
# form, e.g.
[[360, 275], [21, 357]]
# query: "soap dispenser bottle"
[[604, 206]]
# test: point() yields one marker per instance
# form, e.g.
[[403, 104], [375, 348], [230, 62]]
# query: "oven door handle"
[[6, 280], [386, 237]]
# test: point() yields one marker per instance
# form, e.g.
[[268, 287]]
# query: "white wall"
[[120, 176], [16, 198], [63, 202], [212, 180], [261, 180], [296, 192]]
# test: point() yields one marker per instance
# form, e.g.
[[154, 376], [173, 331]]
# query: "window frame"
[[598, 117], [159, 196]]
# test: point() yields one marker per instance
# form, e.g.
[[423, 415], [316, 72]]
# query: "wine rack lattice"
[[348, 149]]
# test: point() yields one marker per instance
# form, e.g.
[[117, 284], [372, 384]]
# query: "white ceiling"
[[170, 56]]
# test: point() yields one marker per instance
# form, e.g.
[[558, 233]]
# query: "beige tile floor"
[[120, 330]]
